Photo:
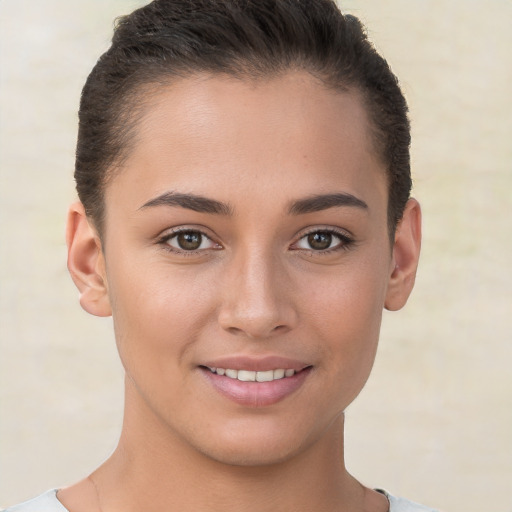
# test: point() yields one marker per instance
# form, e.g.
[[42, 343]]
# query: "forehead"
[[188, 109], [232, 134]]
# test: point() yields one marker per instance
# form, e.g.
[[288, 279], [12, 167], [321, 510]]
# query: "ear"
[[86, 262], [406, 253]]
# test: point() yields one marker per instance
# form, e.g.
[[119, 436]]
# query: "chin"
[[251, 455], [255, 445]]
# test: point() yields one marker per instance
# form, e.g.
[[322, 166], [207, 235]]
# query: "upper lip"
[[256, 364]]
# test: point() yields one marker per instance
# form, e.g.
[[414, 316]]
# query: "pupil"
[[320, 241], [189, 240]]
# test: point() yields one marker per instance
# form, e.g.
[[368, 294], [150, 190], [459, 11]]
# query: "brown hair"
[[169, 39]]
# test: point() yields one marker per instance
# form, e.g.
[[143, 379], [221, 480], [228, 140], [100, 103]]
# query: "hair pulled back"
[[170, 39]]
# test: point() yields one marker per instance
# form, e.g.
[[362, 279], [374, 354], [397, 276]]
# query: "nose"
[[257, 297]]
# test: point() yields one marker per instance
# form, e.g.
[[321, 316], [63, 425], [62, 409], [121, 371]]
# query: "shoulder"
[[403, 505], [47, 502]]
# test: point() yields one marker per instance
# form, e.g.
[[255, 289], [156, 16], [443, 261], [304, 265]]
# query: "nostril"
[[257, 331]]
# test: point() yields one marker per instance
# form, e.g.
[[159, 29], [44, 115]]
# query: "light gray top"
[[48, 502], [403, 505]]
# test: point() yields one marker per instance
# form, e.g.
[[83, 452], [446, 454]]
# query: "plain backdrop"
[[435, 420]]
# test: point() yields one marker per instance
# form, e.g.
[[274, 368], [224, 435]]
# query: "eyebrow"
[[203, 204], [321, 202], [191, 202]]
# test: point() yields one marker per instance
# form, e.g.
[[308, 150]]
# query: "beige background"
[[435, 421]]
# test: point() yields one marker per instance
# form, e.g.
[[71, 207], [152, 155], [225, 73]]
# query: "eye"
[[189, 240], [323, 240]]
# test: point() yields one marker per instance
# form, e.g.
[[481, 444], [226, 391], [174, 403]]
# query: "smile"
[[258, 386], [253, 376]]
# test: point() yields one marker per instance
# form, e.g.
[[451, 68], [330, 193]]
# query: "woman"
[[244, 216]]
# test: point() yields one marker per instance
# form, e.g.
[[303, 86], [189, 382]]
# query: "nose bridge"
[[255, 301]]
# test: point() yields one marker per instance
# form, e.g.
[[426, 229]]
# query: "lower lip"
[[256, 394]]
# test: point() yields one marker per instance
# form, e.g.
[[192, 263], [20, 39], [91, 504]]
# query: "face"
[[247, 263]]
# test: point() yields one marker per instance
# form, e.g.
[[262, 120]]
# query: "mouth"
[[254, 376], [256, 384]]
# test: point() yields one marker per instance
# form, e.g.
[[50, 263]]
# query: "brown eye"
[[320, 241], [323, 241], [190, 240]]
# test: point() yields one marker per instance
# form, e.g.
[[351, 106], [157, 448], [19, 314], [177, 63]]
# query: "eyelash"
[[345, 241], [165, 239]]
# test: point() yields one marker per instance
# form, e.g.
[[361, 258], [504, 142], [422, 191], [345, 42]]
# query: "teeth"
[[265, 376], [279, 374], [251, 376], [246, 376]]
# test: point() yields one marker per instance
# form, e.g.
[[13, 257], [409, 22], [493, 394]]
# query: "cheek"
[[349, 300], [153, 318], [345, 315]]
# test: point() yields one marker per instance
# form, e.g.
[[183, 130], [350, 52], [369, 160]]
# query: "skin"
[[255, 287]]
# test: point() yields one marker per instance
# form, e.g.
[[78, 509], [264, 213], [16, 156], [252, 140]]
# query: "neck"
[[153, 469]]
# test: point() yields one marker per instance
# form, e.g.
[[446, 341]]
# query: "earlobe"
[[86, 262], [406, 252]]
